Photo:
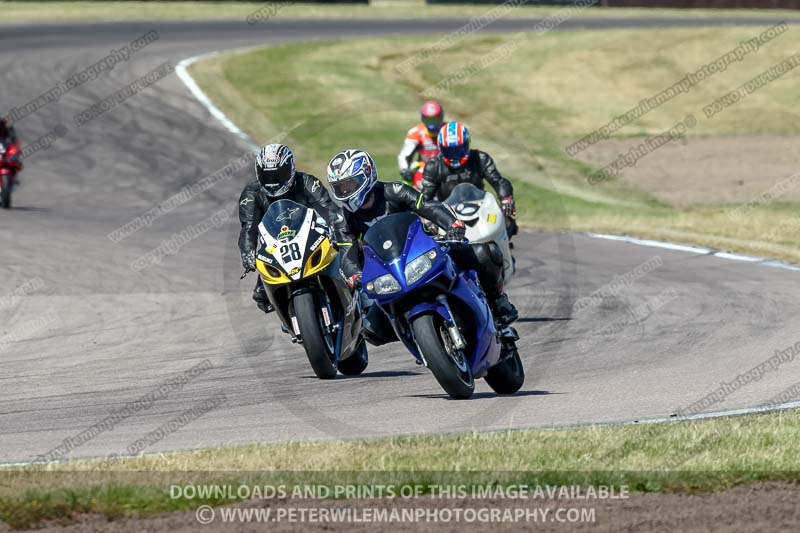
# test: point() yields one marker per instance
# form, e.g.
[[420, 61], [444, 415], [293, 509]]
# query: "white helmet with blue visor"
[[352, 174]]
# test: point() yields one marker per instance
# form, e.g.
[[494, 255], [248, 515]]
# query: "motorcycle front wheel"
[[448, 364], [318, 344]]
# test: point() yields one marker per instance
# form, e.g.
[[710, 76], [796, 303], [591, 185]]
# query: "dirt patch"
[[757, 507], [706, 170]]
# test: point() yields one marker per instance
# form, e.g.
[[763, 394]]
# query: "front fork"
[[330, 327], [452, 327]]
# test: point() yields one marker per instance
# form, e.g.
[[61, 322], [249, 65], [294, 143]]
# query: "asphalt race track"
[[93, 335]]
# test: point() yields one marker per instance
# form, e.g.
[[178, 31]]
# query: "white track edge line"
[[774, 263], [182, 70]]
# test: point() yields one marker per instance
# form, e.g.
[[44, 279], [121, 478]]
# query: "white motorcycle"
[[484, 219]]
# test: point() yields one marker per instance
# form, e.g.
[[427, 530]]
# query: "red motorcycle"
[[9, 166]]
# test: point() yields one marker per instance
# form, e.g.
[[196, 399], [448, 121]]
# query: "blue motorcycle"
[[436, 309]]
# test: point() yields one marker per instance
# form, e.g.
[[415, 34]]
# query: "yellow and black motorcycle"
[[300, 270]]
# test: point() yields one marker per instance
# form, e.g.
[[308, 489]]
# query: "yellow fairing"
[[317, 261], [271, 275], [322, 257]]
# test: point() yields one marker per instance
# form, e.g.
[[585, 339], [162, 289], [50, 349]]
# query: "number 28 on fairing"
[[294, 244]]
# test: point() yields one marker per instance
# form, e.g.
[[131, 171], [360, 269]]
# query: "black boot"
[[265, 306], [503, 310], [261, 299]]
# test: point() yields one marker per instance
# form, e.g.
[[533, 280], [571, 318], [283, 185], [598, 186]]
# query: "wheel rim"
[[456, 356]]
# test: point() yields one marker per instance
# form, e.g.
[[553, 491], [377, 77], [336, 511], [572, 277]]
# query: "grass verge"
[[524, 107], [35, 11], [694, 455]]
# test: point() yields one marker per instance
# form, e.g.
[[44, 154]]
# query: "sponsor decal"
[[317, 242], [286, 233]]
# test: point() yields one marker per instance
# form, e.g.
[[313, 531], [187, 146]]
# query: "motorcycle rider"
[[277, 179], [8, 138], [457, 163], [353, 178], [421, 139]]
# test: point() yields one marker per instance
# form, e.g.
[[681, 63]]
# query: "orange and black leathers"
[[418, 142]]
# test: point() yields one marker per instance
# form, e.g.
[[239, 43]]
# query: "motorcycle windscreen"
[[284, 219], [465, 200], [387, 237]]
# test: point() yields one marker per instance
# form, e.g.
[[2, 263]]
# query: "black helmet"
[[275, 169], [3, 127]]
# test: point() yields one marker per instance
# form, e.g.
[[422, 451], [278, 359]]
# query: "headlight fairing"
[[419, 266], [385, 284], [270, 274]]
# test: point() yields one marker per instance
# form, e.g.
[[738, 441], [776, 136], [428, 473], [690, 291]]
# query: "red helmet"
[[432, 116]]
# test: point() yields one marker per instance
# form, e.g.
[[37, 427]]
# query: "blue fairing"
[[397, 240], [417, 242]]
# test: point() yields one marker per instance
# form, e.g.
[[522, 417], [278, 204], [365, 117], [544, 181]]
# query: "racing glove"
[[407, 175], [249, 261], [509, 208], [457, 232], [354, 281]]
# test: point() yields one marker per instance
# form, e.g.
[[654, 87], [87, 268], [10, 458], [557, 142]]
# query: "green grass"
[[34, 11], [524, 110], [693, 455]]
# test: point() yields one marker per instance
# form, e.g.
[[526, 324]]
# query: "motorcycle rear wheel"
[[448, 365], [356, 363], [5, 193], [316, 341], [507, 376]]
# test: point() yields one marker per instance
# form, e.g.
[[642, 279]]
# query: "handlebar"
[[444, 241]]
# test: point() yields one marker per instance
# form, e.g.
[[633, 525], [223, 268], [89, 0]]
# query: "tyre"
[[319, 345], [356, 363], [448, 365], [5, 193], [507, 376]]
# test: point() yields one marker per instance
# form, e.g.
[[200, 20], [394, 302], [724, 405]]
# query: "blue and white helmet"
[[352, 174]]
